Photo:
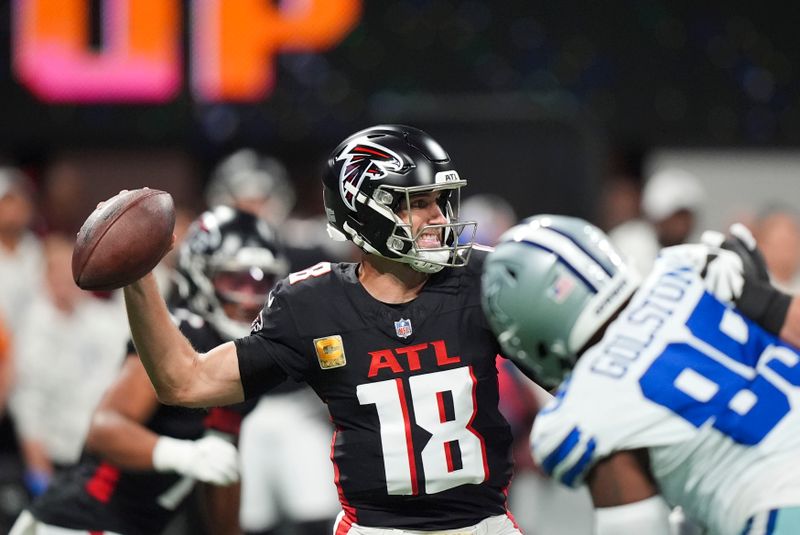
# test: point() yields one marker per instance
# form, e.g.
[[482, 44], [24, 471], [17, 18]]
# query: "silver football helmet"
[[552, 283]]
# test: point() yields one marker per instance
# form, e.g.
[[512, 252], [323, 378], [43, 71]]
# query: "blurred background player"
[[670, 203], [677, 397], [285, 441], [253, 183], [141, 458], [67, 351], [261, 185]]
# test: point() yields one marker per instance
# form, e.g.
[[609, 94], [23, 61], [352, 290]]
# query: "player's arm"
[[754, 294], [625, 496], [180, 375], [117, 434], [221, 508]]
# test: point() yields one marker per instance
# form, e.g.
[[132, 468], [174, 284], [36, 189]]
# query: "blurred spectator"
[[67, 350], [285, 441], [670, 202], [21, 262], [777, 231], [493, 214], [621, 196]]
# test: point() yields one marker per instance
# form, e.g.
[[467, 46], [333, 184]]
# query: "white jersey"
[[705, 390]]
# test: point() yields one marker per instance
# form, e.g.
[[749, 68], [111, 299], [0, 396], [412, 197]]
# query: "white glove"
[[210, 459], [724, 272]]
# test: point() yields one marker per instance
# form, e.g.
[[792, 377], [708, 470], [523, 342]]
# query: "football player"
[[142, 458], [678, 397], [396, 345]]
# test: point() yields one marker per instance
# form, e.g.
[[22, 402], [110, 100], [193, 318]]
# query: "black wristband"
[[764, 304]]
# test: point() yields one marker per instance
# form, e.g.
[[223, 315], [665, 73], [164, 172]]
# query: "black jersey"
[[412, 390], [97, 495]]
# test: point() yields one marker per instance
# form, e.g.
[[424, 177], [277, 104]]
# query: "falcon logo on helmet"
[[363, 160]]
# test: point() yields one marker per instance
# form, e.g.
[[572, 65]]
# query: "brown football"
[[123, 239]]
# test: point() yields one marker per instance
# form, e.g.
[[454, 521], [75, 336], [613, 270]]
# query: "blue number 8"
[[761, 405]]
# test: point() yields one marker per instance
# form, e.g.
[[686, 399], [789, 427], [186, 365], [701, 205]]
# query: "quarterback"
[[396, 345]]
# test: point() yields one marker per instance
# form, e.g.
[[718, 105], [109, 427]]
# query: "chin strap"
[[437, 258], [426, 262]]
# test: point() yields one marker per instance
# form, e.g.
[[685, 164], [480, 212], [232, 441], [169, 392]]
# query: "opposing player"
[[142, 458], [677, 398], [396, 345]]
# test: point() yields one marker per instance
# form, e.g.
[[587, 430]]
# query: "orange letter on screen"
[[139, 58], [235, 42]]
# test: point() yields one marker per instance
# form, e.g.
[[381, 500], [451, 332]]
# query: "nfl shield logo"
[[403, 328]]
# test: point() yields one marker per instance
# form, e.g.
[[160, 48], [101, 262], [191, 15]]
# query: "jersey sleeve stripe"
[[572, 474], [562, 451]]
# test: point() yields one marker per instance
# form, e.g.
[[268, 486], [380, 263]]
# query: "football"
[[123, 239]]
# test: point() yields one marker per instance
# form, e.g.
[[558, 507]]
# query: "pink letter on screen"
[[139, 59]]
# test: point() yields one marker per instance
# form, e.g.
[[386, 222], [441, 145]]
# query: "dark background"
[[537, 101]]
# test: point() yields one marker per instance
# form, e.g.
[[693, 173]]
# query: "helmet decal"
[[370, 172], [364, 159]]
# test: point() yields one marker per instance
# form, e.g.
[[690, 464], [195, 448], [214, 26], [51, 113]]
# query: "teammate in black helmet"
[[397, 345], [142, 458]]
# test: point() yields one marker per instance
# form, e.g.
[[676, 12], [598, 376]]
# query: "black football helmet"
[[228, 262], [371, 173]]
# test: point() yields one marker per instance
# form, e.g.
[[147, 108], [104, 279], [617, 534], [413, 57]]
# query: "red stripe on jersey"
[[472, 430], [344, 525], [412, 464], [95, 533], [508, 513], [350, 515], [223, 420], [103, 482], [448, 454], [440, 401]]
